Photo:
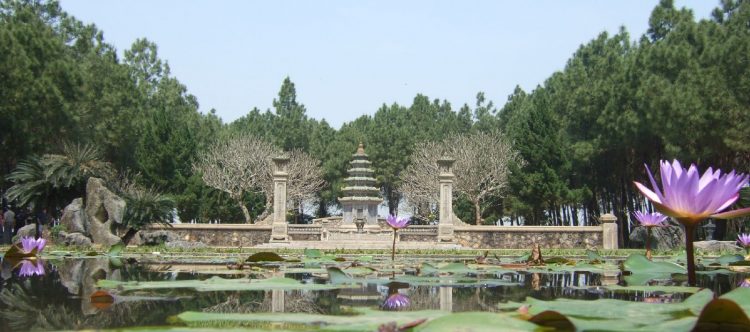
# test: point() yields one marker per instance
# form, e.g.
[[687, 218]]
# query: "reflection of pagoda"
[[361, 197]]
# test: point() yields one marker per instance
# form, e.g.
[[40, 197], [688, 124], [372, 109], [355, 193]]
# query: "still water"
[[61, 294]]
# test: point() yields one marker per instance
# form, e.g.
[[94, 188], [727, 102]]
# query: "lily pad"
[[554, 320], [643, 270], [216, 284], [477, 322], [722, 315], [264, 257]]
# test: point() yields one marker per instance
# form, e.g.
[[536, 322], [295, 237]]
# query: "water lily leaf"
[[116, 249], [477, 322], [365, 320], [359, 271], [741, 296], [643, 270], [336, 276], [560, 260], [724, 260], [102, 300], [625, 315], [594, 257], [216, 284], [313, 253], [264, 257], [553, 319], [15, 251], [722, 315]]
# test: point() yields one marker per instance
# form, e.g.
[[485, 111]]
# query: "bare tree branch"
[[482, 168]]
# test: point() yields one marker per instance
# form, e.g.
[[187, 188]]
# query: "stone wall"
[[523, 237], [219, 235]]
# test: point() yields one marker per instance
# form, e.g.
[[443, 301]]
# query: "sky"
[[347, 58]]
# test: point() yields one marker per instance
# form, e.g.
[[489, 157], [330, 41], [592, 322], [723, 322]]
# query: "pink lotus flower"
[[650, 219], [397, 223], [29, 268], [396, 302], [28, 244], [690, 197]]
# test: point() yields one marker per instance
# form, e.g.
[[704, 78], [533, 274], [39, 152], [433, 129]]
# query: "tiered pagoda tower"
[[361, 197]]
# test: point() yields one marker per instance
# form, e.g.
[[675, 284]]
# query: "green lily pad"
[[313, 253], [216, 284], [722, 315], [741, 296], [554, 320], [477, 322], [619, 314], [365, 320], [643, 270], [264, 257], [724, 260], [116, 249]]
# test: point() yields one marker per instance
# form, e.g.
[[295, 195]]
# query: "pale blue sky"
[[349, 57]]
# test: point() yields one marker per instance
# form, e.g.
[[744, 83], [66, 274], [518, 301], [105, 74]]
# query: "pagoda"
[[361, 197]]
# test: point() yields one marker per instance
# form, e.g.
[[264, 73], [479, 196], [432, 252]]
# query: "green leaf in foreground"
[[619, 315], [365, 320], [722, 315], [477, 322]]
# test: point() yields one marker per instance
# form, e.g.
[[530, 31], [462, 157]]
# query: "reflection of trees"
[[37, 303], [247, 302]]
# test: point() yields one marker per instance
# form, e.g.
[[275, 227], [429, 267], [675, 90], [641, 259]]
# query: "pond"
[[317, 291]]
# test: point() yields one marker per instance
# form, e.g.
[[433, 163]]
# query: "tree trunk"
[[129, 236], [245, 212], [477, 212]]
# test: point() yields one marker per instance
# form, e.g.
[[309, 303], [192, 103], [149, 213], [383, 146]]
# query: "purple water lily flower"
[[744, 240], [650, 219], [397, 223], [691, 198], [396, 302], [744, 283], [28, 244], [31, 268]]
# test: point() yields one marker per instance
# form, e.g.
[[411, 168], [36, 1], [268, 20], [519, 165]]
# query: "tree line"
[[681, 90]]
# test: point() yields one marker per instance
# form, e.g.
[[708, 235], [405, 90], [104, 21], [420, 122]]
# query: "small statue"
[[536, 256]]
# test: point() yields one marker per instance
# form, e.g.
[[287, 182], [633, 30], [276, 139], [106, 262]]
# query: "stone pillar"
[[609, 231], [280, 177], [445, 227], [446, 299]]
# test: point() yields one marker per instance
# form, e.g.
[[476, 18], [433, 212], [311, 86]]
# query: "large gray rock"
[[73, 217], [75, 239], [662, 238], [103, 211], [156, 237], [28, 230], [716, 246]]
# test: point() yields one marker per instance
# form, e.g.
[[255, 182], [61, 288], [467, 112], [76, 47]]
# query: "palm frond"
[[30, 182]]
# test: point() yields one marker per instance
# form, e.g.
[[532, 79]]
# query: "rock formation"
[[95, 222]]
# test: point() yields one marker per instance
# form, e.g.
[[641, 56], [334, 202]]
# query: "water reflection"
[[62, 294], [29, 268]]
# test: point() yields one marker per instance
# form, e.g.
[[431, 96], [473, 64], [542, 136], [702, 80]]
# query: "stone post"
[[446, 298], [445, 226], [280, 177], [609, 231]]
